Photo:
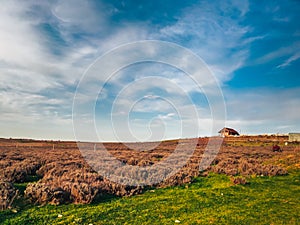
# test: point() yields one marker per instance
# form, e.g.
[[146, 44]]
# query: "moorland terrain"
[[249, 181]]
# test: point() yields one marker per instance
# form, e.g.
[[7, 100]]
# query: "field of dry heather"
[[55, 172]]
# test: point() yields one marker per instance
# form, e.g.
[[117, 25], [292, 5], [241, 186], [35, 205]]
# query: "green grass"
[[22, 186], [209, 200]]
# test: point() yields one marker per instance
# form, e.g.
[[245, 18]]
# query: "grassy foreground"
[[209, 200]]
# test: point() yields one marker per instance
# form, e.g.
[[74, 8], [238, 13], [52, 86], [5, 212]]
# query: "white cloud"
[[37, 83], [291, 59], [213, 36], [168, 116], [18, 37], [34, 81], [263, 111], [79, 16], [290, 52]]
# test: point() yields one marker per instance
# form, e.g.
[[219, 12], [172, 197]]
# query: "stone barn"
[[226, 132], [294, 137]]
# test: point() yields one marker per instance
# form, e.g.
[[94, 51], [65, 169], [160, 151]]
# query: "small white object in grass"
[[90, 224], [222, 194], [59, 215], [152, 190], [177, 221], [261, 175], [14, 210]]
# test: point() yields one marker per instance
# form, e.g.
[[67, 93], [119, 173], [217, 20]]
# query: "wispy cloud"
[[291, 59], [263, 110], [290, 53], [213, 35], [47, 46]]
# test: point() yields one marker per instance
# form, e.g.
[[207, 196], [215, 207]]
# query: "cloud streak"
[[47, 46]]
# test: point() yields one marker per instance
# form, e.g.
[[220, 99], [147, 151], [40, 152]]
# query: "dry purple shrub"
[[239, 180], [7, 194], [66, 177]]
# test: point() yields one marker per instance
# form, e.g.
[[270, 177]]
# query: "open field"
[[247, 183], [208, 200]]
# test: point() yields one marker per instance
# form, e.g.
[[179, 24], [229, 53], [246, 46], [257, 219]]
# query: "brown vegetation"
[[7, 194], [65, 177]]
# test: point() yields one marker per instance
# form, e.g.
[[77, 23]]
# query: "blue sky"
[[251, 47]]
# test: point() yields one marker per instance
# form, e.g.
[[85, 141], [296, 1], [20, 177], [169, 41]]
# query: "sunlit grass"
[[209, 200]]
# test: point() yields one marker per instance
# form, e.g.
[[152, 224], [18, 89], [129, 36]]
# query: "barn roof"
[[229, 129]]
